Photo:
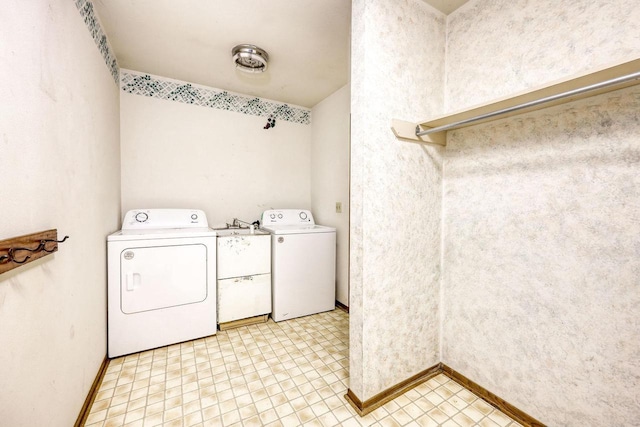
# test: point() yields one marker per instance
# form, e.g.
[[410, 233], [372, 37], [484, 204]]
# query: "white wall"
[[330, 177], [60, 168], [176, 155], [541, 259], [396, 191]]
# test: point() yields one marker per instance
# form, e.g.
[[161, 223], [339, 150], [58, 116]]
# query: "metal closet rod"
[[595, 86]]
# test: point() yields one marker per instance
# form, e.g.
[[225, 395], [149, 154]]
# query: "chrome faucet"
[[240, 222], [237, 223], [234, 224]]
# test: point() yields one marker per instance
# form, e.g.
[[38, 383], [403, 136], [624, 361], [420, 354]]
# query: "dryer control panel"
[[287, 217], [164, 218]]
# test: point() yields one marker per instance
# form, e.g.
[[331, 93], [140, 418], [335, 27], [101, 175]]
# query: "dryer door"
[[158, 277]]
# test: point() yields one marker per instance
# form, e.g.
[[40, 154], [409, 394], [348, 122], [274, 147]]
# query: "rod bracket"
[[407, 131]]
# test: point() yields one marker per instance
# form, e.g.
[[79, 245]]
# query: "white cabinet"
[[243, 255], [244, 276], [244, 297]]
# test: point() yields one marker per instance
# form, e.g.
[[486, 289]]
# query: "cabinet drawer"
[[243, 255], [243, 297]]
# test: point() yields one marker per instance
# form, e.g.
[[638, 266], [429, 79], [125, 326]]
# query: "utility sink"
[[240, 232], [244, 276]]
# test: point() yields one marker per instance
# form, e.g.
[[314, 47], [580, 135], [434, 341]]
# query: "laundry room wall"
[[541, 257], [60, 165], [178, 154], [496, 49], [330, 177], [397, 71]]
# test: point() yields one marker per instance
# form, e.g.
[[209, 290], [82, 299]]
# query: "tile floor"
[[289, 373]]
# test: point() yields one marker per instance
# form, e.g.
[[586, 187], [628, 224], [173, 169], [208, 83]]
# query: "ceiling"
[[191, 40], [446, 6]]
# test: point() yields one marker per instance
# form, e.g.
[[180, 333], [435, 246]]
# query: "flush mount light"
[[250, 58]]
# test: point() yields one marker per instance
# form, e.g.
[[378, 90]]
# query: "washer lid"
[[161, 233], [298, 229]]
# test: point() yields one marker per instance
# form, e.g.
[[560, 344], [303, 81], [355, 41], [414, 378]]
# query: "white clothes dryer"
[[161, 280], [303, 263]]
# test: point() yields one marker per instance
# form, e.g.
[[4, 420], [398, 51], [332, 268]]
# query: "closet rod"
[[585, 89]]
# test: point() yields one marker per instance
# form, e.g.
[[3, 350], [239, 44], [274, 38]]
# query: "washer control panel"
[[164, 218], [287, 217]]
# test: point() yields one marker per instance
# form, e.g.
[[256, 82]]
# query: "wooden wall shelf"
[[18, 251], [584, 85]]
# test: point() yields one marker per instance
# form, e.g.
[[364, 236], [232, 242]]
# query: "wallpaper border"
[[175, 90], [87, 11]]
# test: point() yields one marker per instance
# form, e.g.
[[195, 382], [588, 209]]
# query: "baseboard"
[[91, 396], [341, 306], [255, 320], [507, 408], [369, 405]]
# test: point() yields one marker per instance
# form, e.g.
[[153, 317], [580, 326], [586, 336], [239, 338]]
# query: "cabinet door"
[[243, 256], [158, 277], [243, 297]]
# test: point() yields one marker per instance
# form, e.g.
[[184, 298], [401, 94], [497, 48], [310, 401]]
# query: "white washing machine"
[[303, 263], [161, 280]]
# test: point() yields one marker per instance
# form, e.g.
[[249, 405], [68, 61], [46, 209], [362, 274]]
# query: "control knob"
[[141, 217], [303, 216]]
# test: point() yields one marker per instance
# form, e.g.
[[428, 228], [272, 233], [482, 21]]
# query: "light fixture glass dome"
[[250, 58]]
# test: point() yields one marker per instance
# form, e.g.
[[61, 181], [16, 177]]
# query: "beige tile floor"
[[289, 373]]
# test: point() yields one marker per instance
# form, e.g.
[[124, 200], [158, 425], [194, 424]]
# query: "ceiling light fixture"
[[250, 58]]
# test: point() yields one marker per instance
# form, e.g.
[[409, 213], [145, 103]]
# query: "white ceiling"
[[446, 6], [191, 40]]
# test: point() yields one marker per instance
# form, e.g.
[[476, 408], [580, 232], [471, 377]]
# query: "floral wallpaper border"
[[85, 7], [173, 90]]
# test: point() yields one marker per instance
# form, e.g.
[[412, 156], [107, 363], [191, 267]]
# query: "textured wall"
[[497, 47], [542, 261], [60, 165], [397, 71], [229, 165], [330, 177], [541, 270], [356, 198]]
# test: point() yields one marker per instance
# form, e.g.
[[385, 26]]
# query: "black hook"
[[43, 244], [58, 241], [36, 249], [13, 258]]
